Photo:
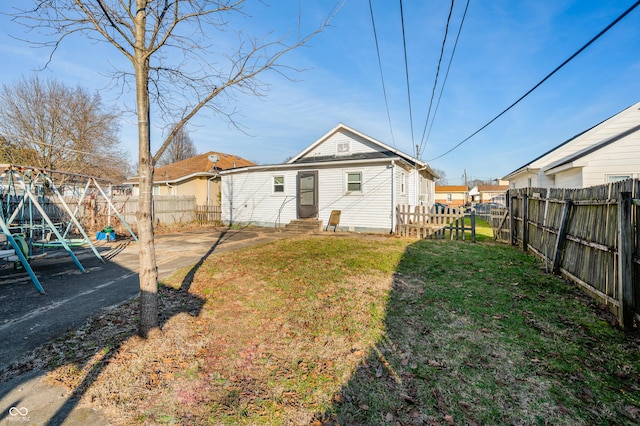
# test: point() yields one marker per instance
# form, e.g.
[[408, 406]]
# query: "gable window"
[[354, 182], [342, 148], [449, 197], [403, 183], [278, 184]]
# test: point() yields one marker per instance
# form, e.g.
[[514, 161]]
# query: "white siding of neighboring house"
[[247, 197], [569, 179], [524, 180], [619, 158]]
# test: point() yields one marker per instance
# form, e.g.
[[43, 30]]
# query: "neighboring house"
[[452, 195], [198, 176], [343, 170], [488, 194], [608, 152]]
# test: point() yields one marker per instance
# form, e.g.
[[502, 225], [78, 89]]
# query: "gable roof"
[[200, 165], [385, 151], [602, 134]]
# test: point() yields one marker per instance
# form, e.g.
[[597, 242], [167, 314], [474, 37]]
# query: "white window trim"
[[403, 183], [346, 182], [273, 185], [610, 175]]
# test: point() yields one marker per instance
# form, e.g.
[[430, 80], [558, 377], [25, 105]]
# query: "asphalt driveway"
[[28, 319]]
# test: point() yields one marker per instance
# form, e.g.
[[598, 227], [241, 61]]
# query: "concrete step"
[[304, 225]]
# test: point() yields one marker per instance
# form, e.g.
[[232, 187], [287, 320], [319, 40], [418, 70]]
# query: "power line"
[[384, 90], [446, 76], [435, 81], [406, 68], [589, 43]]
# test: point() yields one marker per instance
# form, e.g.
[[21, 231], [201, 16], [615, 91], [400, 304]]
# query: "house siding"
[[569, 179], [620, 158], [370, 210], [329, 147]]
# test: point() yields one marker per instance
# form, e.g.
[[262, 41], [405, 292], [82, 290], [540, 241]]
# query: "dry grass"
[[325, 330]]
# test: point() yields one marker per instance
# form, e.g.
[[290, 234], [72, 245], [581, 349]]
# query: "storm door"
[[307, 194]]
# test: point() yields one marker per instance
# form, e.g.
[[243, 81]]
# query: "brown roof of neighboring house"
[[451, 188], [200, 164], [493, 188]]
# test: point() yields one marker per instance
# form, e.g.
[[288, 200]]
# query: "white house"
[[343, 170], [608, 152]]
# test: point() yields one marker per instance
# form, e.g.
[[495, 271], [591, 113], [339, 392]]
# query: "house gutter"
[[209, 189], [310, 165]]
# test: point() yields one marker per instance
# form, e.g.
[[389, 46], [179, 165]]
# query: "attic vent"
[[343, 148]]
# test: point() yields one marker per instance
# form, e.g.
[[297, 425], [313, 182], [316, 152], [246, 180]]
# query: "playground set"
[[35, 218]]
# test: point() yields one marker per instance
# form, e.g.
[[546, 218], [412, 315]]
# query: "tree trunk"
[[147, 255]]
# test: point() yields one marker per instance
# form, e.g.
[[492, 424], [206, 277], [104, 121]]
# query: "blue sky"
[[505, 48]]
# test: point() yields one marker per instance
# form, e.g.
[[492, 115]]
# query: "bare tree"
[[441, 173], [176, 67], [50, 125], [180, 148]]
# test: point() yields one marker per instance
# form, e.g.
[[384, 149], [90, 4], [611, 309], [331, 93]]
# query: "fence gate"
[[434, 222]]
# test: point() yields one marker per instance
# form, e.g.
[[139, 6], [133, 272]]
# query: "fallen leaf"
[[434, 363], [379, 371], [449, 419]]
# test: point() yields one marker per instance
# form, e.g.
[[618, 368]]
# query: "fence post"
[[525, 222], [473, 226], [625, 267], [512, 221], [562, 236]]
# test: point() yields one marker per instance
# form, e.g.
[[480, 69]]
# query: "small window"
[[403, 183], [278, 184], [617, 178], [354, 182], [529, 182], [449, 197]]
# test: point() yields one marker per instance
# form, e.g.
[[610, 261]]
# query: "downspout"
[[393, 196], [209, 190]]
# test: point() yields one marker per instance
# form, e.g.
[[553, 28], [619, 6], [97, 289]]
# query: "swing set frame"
[[27, 225]]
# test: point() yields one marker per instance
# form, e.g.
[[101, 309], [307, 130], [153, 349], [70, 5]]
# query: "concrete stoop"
[[304, 225]]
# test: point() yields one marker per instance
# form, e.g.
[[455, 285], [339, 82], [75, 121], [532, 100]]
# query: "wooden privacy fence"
[[434, 222], [94, 213], [588, 235]]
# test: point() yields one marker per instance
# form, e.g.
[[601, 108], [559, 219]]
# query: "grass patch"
[[330, 330]]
